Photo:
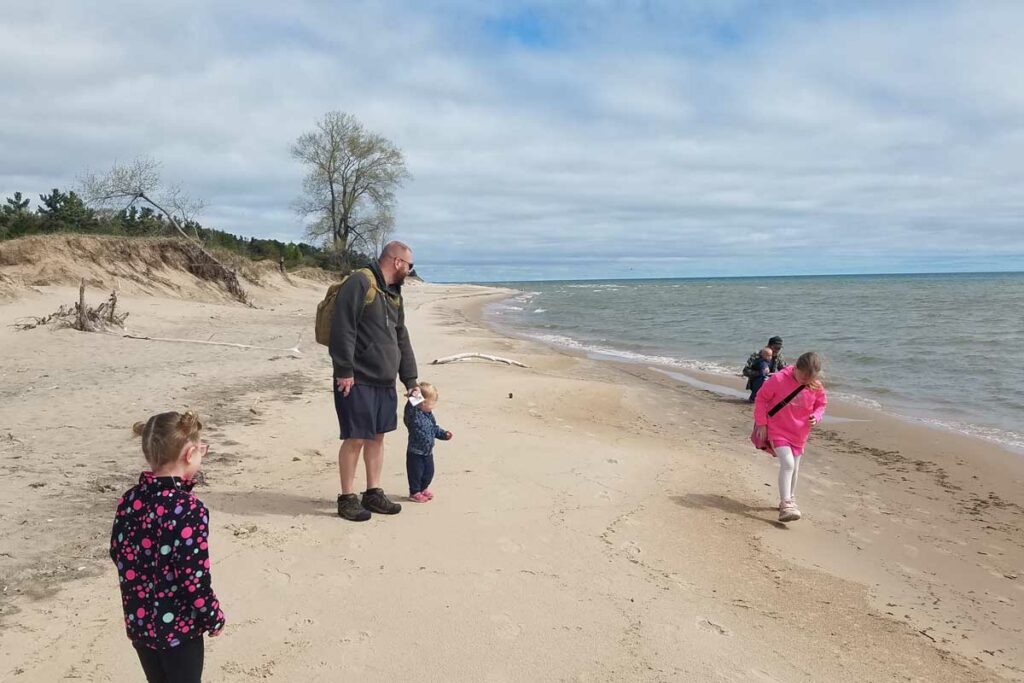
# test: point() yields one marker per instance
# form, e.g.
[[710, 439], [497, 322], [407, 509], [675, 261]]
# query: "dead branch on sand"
[[294, 350], [79, 317], [483, 356]]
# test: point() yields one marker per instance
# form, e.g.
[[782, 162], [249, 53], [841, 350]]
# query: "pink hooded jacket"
[[791, 425]]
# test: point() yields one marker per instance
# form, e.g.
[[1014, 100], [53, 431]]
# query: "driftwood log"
[[293, 350], [482, 356], [79, 316]]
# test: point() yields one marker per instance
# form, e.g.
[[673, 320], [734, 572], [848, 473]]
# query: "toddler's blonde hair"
[[428, 390]]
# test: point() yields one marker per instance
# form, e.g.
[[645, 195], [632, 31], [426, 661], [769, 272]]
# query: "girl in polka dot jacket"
[[159, 545]]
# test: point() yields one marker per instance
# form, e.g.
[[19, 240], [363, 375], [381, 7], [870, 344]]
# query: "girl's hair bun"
[[189, 422]]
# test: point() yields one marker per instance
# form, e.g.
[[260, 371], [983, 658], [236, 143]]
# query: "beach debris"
[[482, 356], [294, 350], [708, 625], [241, 531], [79, 316]]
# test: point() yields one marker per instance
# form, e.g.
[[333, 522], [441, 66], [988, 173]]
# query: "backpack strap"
[[784, 402], [372, 292]]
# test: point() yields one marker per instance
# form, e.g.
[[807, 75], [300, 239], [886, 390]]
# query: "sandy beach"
[[594, 521]]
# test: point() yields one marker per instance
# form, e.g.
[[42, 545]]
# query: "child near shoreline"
[[419, 455], [159, 545], [762, 370], [801, 395]]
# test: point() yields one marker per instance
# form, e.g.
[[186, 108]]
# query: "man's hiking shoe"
[[374, 500], [350, 509], [788, 511]]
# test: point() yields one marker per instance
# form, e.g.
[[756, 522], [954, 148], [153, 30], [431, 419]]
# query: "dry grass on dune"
[[134, 265]]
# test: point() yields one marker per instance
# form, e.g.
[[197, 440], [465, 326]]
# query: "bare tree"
[[371, 239], [126, 185], [350, 183]]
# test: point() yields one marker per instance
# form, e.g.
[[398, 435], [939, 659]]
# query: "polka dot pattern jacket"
[[159, 544]]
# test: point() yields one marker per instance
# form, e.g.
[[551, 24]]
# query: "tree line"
[[346, 204], [62, 211]]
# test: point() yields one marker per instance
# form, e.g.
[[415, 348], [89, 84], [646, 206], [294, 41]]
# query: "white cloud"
[[669, 138]]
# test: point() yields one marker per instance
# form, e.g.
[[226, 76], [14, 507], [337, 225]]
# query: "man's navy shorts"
[[367, 411]]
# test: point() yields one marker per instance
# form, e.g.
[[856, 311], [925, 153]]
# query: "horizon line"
[[737, 277]]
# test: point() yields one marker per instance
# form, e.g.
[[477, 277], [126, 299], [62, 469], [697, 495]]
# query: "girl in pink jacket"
[[788, 428]]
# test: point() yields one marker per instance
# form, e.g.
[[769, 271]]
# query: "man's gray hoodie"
[[370, 343]]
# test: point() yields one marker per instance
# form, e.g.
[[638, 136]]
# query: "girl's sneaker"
[[788, 511], [428, 493], [418, 497]]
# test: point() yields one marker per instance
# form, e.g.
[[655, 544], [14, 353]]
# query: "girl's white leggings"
[[789, 468]]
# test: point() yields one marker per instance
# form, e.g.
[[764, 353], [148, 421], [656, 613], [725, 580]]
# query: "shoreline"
[[594, 521], [903, 451], [731, 385]]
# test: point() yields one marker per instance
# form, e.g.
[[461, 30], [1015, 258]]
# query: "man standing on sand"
[[369, 346]]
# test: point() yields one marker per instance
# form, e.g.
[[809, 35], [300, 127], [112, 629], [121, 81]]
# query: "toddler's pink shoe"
[[418, 497], [428, 493]]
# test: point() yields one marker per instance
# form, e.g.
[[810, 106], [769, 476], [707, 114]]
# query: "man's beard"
[[400, 278]]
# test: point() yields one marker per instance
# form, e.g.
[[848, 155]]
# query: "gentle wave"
[[854, 399], [595, 287], [915, 346], [1012, 440], [631, 356]]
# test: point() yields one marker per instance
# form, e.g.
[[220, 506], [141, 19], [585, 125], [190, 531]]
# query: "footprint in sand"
[[356, 637], [507, 545], [505, 627], [487, 582], [859, 539], [909, 571], [357, 541], [708, 625]]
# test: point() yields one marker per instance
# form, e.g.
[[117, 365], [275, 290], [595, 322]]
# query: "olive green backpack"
[[325, 309]]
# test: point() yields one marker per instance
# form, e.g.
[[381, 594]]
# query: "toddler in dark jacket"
[[419, 455]]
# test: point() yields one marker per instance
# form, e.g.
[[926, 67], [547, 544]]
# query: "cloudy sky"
[[592, 138]]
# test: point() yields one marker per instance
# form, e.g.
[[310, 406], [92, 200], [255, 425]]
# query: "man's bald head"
[[395, 262]]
